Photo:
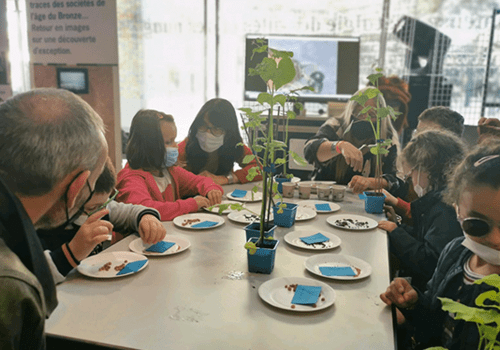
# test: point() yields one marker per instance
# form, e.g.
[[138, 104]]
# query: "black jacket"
[[428, 318], [418, 247], [326, 170]]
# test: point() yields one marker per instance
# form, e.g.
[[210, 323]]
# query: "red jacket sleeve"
[[189, 184], [405, 207], [181, 147], [136, 189], [242, 173]]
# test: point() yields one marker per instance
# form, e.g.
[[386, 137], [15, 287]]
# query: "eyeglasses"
[[212, 129], [475, 226], [105, 203], [81, 210]]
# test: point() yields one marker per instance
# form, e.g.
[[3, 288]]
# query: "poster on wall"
[[72, 31], [5, 88]]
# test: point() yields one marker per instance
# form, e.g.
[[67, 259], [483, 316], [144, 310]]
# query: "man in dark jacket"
[[53, 150]]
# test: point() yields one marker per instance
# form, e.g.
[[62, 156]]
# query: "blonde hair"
[[343, 120]]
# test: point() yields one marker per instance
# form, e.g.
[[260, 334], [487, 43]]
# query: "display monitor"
[[329, 64], [73, 79]]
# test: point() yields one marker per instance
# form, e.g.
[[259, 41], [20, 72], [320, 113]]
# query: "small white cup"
[[288, 189], [324, 191], [338, 193], [304, 190]]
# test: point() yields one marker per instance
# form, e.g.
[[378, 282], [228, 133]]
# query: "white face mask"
[[418, 189], [208, 142], [490, 255], [80, 220]]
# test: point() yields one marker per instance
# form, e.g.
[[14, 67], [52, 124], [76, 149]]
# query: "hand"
[[352, 155], [390, 214], [90, 234], [359, 184], [202, 201], [181, 163], [215, 197], [488, 127], [388, 226], [151, 229], [218, 179], [400, 293], [390, 199]]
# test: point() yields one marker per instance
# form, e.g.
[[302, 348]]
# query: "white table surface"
[[191, 300]]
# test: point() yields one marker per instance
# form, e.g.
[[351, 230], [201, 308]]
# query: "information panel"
[[72, 32]]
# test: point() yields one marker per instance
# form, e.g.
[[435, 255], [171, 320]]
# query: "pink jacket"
[[139, 187]]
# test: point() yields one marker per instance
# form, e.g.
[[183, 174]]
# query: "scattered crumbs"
[[293, 306]]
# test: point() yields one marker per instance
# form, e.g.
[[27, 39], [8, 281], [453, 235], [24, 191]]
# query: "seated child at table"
[[150, 177], [67, 246], [426, 159], [474, 190]]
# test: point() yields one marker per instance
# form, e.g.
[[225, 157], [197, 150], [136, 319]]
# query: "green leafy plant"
[[276, 69], [485, 315], [381, 146]]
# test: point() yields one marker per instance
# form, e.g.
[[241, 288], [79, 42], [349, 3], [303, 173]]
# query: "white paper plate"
[[215, 208], [293, 238], [313, 263], [257, 197], [274, 293], [91, 265], [244, 217], [181, 244], [311, 204], [342, 221], [183, 221], [314, 184], [304, 213]]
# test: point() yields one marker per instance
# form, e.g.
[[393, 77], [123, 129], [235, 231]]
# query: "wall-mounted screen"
[[73, 79], [329, 64]]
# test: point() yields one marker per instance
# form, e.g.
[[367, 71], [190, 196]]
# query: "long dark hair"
[[145, 147], [222, 115]]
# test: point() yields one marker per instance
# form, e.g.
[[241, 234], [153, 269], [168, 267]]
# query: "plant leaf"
[[281, 99], [469, 314], [298, 159], [248, 158], [291, 114], [491, 280], [489, 295], [361, 98], [374, 77], [280, 161], [264, 97], [372, 93], [251, 247]]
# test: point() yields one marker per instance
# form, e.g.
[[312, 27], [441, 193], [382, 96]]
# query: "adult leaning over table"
[[337, 151], [53, 150]]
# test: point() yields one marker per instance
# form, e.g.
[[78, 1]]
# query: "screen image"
[[328, 64], [75, 80]]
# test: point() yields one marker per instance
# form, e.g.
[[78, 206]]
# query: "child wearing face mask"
[[151, 178], [474, 190], [426, 159], [103, 219], [211, 148]]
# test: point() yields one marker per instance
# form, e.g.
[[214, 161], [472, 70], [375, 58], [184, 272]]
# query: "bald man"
[[52, 149]]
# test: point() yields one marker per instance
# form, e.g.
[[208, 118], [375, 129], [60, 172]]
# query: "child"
[[426, 159], [88, 232], [150, 177], [474, 190]]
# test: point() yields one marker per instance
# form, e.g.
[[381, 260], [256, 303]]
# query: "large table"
[[195, 300]]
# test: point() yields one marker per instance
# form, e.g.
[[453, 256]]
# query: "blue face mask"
[[171, 156]]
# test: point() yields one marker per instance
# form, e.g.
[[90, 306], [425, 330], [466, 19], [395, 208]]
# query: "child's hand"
[[215, 197], [359, 184], [151, 229], [390, 214], [202, 201], [90, 234], [387, 225], [400, 293], [390, 199]]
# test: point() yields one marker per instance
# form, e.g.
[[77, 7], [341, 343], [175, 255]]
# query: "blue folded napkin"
[[133, 266], [239, 193], [323, 207], [306, 295], [205, 224], [160, 247], [317, 238], [337, 271]]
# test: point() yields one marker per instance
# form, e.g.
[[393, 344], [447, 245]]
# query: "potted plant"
[[374, 200], [277, 70], [486, 315]]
